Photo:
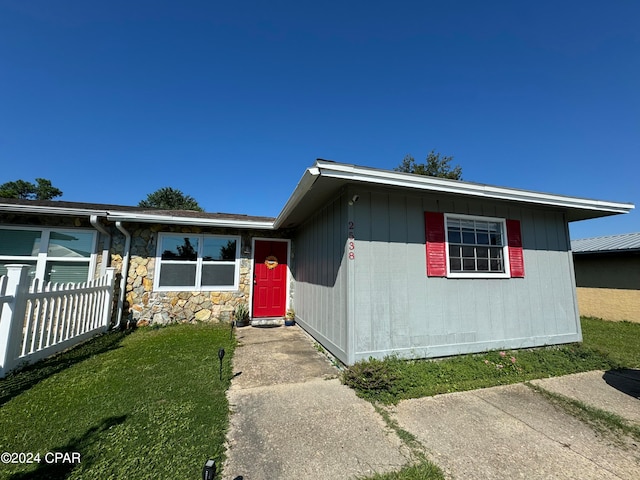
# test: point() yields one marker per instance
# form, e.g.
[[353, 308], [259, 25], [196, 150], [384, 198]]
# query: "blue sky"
[[231, 101]]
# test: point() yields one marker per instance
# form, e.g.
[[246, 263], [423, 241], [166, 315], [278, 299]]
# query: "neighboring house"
[[608, 276], [374, 262]]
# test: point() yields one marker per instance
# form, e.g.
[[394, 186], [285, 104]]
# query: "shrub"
[[371, 378]]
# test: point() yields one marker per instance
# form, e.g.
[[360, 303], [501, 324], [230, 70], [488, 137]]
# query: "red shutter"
[[436, 248], [514, 240]]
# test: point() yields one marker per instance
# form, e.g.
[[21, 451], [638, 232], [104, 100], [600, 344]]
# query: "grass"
[[600, 420], [148, 404], [606, 346], [619, 341], [421, 468]]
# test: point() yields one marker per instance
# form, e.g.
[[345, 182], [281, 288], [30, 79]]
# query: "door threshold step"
[[267, 322]]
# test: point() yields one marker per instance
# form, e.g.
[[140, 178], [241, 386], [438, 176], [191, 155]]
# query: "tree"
[[28, 191], [168, 198], [434, 166]]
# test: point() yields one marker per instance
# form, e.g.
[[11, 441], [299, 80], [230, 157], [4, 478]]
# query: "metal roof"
[[612, 243]]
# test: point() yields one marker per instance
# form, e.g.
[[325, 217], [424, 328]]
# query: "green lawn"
[[148, 404], [607, 345], [619, 341]]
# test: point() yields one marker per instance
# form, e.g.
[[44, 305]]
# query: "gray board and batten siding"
[[319, 268], [381, 302]]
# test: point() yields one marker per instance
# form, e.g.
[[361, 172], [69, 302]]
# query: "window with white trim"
[[197, 262], [53, 254], [476, 246], [459, 246]]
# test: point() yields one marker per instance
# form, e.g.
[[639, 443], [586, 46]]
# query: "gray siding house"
[[374, 262]]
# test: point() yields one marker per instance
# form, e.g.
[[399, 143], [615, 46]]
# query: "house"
[[374, 262], [608, 276]]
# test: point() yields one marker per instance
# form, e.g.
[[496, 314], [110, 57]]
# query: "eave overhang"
[[136, 217], [195, 221], [326, 175]]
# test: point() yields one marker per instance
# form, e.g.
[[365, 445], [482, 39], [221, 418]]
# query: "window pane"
[[70, 244], [66, 272], [483, 265], [454, 236], [454, 251], [218, 275], [468, 231], [482, 252], [468, 264], [495, 234], [19, 242], [467, 252], [483, 238], [177, 275], [180, 248], [218, 249], [455, 264], [496, 266]]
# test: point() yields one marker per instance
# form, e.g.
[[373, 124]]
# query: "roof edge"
[[177, 220], [305, 184], [125, 216], [420, 182]]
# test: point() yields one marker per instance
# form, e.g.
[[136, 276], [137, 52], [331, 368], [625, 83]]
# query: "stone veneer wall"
[[144, 306]]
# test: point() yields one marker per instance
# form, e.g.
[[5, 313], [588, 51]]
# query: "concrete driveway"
[[514, 432], [292, 419]]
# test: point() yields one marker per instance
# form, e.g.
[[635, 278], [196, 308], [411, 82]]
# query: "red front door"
[[269, 278]]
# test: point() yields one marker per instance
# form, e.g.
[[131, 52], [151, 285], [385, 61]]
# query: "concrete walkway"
[[292, 419]]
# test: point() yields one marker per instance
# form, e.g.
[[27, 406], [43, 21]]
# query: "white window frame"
[[197, 287], [505, 247], [43, 257]]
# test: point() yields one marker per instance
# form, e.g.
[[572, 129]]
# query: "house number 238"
[[351, 244]]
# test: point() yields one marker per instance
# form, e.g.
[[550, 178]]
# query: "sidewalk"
[[292, 419]]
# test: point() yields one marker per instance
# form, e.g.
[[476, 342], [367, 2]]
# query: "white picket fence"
[[41, 319]]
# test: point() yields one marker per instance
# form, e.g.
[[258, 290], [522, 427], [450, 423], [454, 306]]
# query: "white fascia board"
[[433, 184], [37, 209], [304, 185], [133, 217], [174, 220]]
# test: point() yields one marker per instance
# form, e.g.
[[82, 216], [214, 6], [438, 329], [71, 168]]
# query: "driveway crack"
[[544, 434]]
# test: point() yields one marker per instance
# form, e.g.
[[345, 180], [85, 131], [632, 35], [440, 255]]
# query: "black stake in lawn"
[[221, 356], [209, 470], [233, 323]]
